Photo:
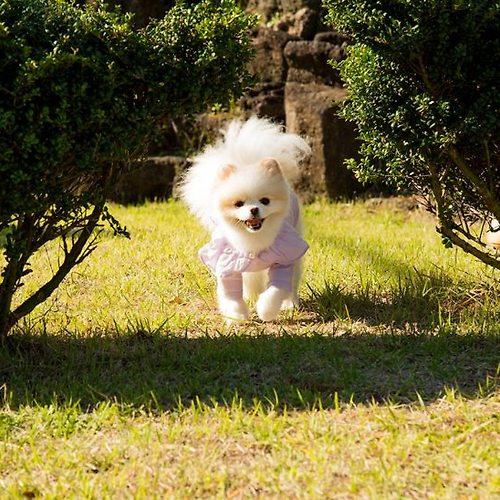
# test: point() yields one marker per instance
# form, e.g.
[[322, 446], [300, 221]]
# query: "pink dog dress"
[[228, 264]]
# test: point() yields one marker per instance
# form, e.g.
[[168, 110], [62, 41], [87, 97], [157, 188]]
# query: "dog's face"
[[252, 199]]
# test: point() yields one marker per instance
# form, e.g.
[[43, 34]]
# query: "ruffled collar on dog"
[[224, 260]]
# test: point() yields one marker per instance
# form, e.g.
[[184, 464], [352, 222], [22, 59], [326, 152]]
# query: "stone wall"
[[299, 88], [152, 179], [296, 86]]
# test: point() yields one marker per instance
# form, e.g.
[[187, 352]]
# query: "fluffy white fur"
[[253, 161]]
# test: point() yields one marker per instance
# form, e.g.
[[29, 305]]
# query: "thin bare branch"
[[483, 256], [490, 200], [70, 260]]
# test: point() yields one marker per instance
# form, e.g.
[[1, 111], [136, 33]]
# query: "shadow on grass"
[[157, 371], [426, 299], [423, 306], [429, 302], [423, 301]]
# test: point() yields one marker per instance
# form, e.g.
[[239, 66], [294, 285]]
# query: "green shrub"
[[423, 79], [80, 93]]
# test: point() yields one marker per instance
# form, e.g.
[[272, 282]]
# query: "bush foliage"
[[423, 81], [80, 93]]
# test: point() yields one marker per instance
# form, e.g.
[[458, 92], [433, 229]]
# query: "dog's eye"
[[239, 203], [265, 201]]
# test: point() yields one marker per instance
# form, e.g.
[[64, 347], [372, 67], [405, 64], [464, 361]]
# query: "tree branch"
[[485, 257], [489, 198], [70, 260], [445, 229]]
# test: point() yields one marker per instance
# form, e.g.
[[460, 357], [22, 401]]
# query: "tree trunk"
[[7, 289]]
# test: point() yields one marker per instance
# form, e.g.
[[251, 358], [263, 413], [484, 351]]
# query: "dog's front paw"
[[291, 302], [233, 310], [270, 302]]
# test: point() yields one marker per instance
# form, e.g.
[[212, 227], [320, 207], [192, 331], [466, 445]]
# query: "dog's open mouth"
[[254, 224]]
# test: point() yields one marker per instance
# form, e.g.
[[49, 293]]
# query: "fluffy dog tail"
[[242, 144]]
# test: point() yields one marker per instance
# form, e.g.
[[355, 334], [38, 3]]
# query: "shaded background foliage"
[[82, 87], [81, 91], [423, 91], [146, 10]]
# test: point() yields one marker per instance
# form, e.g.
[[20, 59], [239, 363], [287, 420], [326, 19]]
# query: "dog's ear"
[[271, 166], [226, 171]]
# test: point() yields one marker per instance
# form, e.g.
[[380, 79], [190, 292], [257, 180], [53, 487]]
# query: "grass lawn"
[[127, 383]]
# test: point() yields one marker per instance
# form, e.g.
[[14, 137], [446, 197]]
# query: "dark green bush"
[[423, 80], [80, 93]]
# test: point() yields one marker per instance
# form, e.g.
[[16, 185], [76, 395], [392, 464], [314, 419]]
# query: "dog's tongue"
[[254, 223]]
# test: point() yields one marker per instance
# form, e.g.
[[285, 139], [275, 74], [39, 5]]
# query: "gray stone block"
[[151, 179], [265, 100], [269, 63], [308, 62], [311, 111]]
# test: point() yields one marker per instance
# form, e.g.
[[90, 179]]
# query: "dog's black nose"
[[254, 211]]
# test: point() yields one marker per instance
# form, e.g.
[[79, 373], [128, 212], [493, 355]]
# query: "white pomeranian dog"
[[240, 189]]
